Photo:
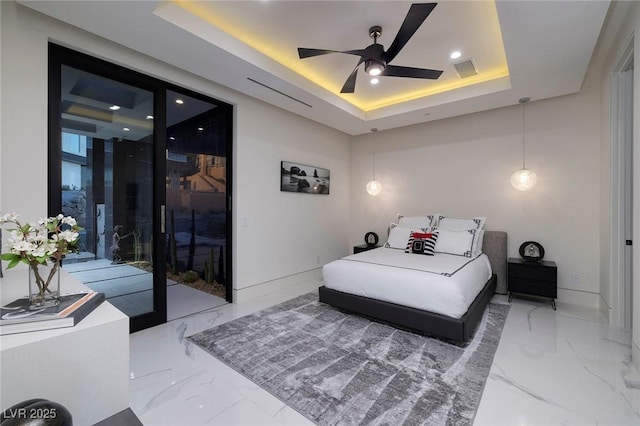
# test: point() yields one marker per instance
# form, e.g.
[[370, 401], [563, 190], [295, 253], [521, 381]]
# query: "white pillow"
[[459, 243], [455, 224], [398, 237], [477, 243], [416, 222]]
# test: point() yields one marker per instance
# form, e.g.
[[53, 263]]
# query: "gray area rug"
[[341, 369]]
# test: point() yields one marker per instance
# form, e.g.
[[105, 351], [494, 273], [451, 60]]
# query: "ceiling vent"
[[466, 68]]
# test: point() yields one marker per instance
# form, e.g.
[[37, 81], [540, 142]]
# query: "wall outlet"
[[576, 278]]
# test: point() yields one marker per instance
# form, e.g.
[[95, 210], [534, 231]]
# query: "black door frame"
[[59, 56]]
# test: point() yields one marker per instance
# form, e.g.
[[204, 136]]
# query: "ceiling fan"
[[376, 60]]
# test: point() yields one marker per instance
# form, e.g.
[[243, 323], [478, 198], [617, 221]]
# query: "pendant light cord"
[[523, 101], [374, 130]]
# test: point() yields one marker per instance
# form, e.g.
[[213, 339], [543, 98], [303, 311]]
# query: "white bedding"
[[445, 284]]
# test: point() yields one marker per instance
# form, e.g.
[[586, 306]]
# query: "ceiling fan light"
[[373, 67]]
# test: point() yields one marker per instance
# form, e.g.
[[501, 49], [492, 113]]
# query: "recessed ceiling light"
[[172, 138], [179, 101], [149, 117], [374, 81], [114, 107], [200, 129], [455, 54], [126, 129]]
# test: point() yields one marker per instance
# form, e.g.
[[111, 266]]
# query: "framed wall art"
[[296, 177]]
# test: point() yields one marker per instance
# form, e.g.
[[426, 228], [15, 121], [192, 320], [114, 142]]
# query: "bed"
[[454, 322]]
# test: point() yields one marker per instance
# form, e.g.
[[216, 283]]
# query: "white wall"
[[461, 167], [285, 233]]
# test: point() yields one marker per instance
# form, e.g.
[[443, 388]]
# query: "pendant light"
[[523, 179], [374, 187]]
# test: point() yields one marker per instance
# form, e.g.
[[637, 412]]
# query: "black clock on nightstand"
[[533, 278]]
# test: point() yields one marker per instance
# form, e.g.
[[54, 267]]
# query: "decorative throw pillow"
[[422, 243], [459, 243]]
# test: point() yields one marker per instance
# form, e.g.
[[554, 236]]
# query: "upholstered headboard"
[[495, 247]]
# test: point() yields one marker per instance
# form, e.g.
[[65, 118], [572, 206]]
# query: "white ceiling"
[[538, 49]]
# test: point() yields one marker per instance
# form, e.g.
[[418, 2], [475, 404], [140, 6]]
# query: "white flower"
[[60, 216], [69, 236], [69, 221], [8, 217], [39, 238], [23, 246], [42, 251]]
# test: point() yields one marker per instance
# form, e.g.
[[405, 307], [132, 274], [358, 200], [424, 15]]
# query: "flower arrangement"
[[37, 243]]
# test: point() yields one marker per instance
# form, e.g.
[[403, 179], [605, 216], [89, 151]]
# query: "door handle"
[[629, 242], [162, 219]]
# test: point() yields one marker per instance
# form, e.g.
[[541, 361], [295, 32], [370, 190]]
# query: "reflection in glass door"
[[198, 135], [107, 163], [107, 185]]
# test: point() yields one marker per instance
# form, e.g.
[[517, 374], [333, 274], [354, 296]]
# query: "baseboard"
[[583, 298], [311, 279]]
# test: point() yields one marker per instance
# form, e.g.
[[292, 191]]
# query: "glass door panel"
[[107, 171], [198, 133]]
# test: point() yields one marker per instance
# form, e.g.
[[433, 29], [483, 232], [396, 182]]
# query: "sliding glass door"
[[107, 170], [145, 168]]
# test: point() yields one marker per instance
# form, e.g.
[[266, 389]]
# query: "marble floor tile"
[[564, 367], [183, 300]]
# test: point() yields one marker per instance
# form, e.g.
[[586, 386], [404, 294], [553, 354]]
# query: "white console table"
[[85, 368]]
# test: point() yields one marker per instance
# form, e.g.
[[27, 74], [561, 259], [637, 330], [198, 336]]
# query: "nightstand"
[[533, 278], [363, 247]]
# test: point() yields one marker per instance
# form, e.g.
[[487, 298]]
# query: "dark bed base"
[[424, 322]]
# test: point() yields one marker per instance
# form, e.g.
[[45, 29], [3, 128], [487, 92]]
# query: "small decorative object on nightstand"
[[531, 251], [371, 238], [533, 278], [363, 247]]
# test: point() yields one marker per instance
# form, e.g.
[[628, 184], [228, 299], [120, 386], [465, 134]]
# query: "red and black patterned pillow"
[[422, 243]]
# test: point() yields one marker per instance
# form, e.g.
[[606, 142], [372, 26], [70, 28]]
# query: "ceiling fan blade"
[[394, 71], [304, 53], [350, 85], [415, 17]]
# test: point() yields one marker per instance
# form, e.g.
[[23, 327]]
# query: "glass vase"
[[44, 286]]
